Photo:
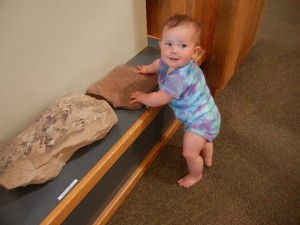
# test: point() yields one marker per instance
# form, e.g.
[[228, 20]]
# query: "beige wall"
[[53, 47]]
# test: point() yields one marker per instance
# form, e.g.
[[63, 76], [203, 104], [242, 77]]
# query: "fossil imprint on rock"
[[39, 153]]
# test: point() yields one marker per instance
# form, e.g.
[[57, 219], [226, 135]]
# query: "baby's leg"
[[207, 154], [192, 146]]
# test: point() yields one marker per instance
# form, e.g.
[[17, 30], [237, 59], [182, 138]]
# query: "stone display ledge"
[[98, 177]]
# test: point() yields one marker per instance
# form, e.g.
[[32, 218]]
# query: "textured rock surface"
[[39, 153], [118, 85]]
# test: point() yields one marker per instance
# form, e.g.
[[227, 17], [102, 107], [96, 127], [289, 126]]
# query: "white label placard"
[[67, 190]]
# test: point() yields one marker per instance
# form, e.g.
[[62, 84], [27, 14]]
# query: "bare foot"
[[189, 181]]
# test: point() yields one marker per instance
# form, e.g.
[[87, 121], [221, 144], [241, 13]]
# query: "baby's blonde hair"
[[178, 20]]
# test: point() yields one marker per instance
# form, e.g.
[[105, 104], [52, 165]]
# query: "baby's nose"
[[174, 49]]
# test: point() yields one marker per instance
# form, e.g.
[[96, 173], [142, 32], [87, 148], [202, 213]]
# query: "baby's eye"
[[183, 45], [168, 44]]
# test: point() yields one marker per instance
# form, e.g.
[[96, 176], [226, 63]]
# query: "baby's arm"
[[153, 99], [152, 68]]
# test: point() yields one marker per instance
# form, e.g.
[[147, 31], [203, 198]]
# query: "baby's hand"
[[142, 69], [135, 97]]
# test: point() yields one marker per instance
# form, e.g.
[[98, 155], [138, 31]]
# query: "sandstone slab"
[[118, 85], [39, 153]]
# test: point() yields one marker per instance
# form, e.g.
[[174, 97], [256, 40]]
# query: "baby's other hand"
[[135, 97], [142, 69]]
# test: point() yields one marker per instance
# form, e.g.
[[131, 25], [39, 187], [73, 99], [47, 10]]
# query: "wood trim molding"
[[201, 57]]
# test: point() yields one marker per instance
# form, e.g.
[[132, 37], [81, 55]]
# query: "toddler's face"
[[178, 46]]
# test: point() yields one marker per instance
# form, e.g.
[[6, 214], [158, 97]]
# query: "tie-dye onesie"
[[192, 103]]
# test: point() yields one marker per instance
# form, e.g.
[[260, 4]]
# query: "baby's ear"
[[197, 49]]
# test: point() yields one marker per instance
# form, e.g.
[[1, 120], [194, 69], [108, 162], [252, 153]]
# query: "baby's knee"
[[188, 154]]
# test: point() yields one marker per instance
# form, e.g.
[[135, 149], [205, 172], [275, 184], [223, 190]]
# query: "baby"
[[182, 85]]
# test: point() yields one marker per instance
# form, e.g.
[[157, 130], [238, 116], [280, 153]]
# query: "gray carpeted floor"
[[255, 178]]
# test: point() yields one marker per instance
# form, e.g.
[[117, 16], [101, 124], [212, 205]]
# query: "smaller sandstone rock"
[[118, 85], [39, 153]]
